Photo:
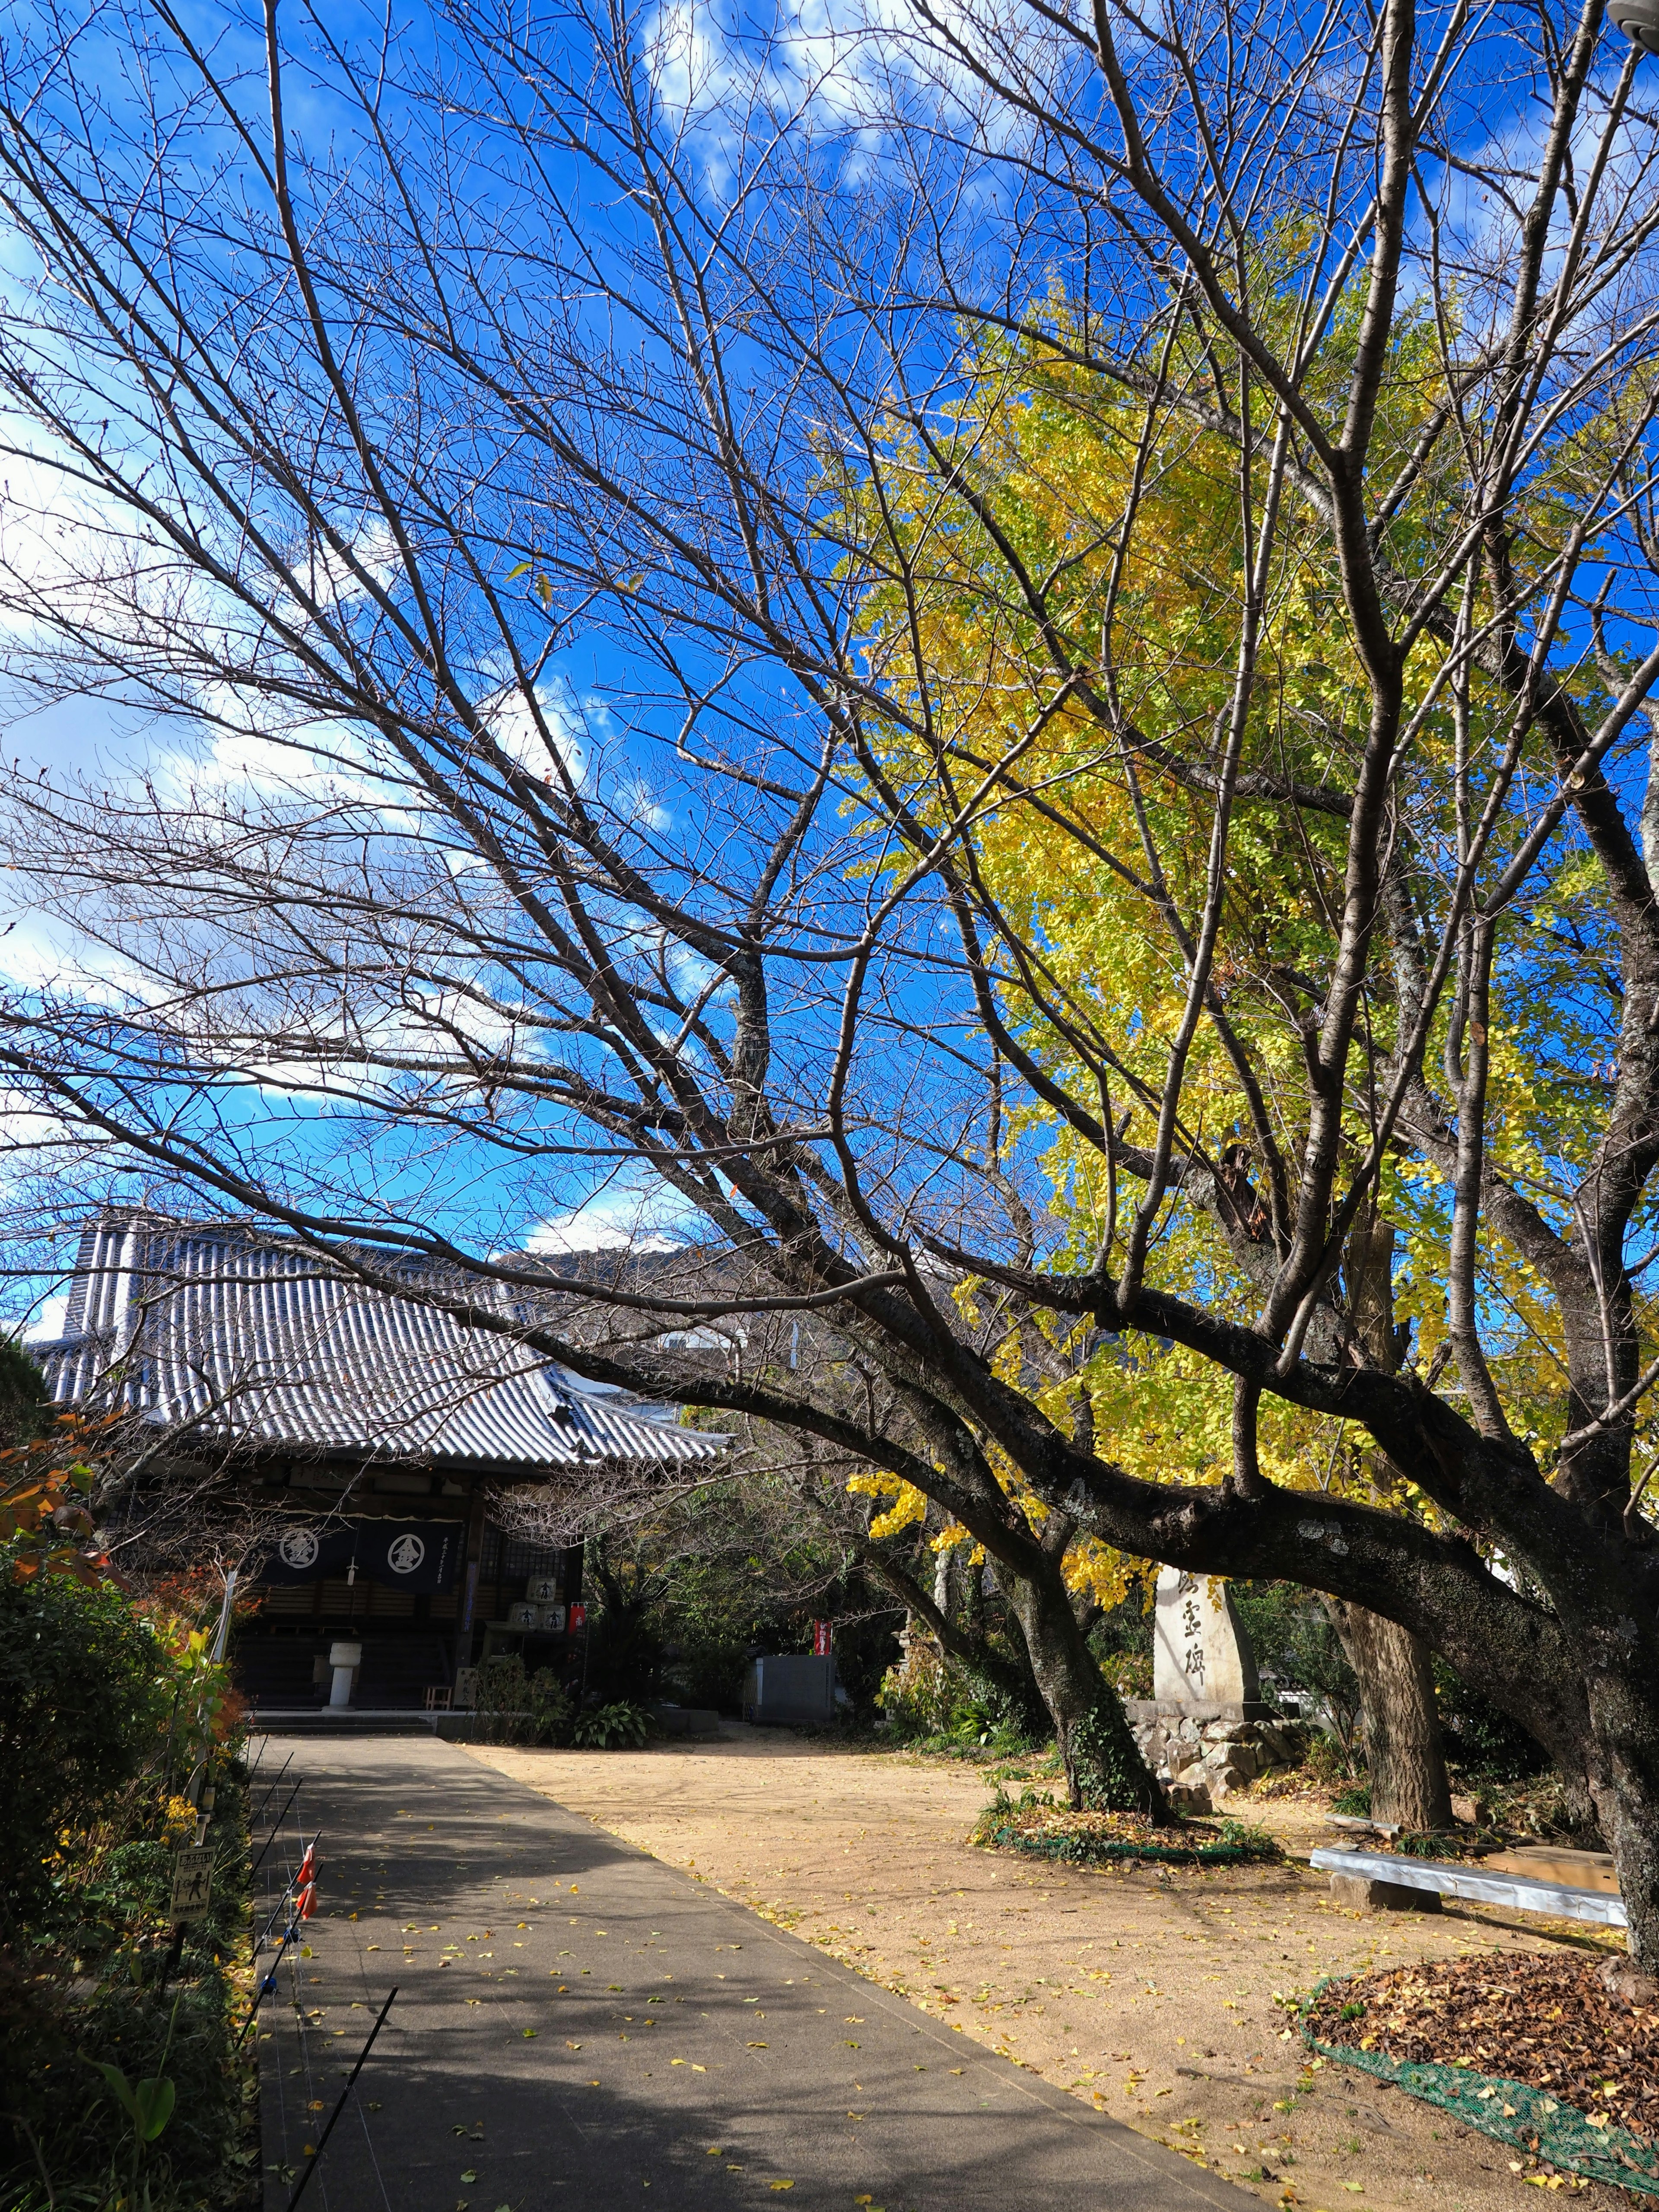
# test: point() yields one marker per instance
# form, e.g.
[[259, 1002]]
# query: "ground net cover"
[[1083, 1839], [1533, 2050]]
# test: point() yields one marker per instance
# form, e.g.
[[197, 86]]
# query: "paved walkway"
[[580, 2026]]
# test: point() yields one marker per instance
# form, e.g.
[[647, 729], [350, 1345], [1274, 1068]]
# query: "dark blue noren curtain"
[[411, 1555]]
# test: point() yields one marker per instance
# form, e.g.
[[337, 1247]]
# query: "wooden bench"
[[1405, 1882]]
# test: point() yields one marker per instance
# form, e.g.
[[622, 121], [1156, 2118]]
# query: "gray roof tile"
[[242, 1338]]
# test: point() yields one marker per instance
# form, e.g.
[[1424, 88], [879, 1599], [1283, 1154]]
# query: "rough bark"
[[1104, 1769], [1403, 1747], [1404, 1751]]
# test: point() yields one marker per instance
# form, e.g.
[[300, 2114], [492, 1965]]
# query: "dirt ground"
[[1160, 1996]]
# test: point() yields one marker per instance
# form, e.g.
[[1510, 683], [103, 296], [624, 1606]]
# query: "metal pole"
[[351, 2081], [218, 1651], [277, 1829], [282, 1901], [271, 1790]]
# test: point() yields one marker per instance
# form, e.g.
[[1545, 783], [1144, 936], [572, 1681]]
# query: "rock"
[[1181, 1756], [1358, 1894], [1627, 1980], [1189, 1797], [1466, 1809], [1188, 1731]]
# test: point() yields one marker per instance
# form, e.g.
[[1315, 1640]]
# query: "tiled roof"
[[242, 1338]]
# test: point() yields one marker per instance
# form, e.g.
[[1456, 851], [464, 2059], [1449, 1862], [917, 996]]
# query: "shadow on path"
[[579, 2025]]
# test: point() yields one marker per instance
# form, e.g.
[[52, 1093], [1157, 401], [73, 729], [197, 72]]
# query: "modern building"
[[364, 1432]]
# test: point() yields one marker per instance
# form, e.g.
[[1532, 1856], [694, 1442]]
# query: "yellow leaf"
[[780, 2184]]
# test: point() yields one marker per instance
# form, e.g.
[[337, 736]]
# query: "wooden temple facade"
[[367, 1431]]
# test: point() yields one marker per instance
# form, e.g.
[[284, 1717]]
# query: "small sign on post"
[[820, 1640], [192, 1883]]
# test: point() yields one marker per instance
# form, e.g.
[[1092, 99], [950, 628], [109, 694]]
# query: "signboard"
[[577, 1618], [192, 1882], [411, 1555], [821, 1636]]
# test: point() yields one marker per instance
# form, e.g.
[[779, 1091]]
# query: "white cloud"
[[616, 1219], [47, 1326]]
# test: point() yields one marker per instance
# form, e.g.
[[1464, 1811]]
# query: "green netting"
[[1509, 2111], [1085, 1850]]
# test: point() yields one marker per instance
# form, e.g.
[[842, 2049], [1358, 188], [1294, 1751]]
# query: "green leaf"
[[513, 574], [119, 2087], [154, 2102]]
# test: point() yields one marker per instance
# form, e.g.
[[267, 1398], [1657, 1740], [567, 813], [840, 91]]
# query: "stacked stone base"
[[1204, 1753]]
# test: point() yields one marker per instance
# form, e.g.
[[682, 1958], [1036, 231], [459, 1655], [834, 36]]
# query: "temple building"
[[365, 1433]]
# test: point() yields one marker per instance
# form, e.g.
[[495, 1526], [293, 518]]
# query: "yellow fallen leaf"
[[757, 2046], [780, 2184], [696, 2069]]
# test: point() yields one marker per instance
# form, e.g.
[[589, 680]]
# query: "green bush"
[[515, 1707], [84, 1701], [937, 1701], [102, 1718], [615, 1727]]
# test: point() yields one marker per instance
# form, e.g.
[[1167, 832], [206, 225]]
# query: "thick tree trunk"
[[1403, 1747], [1404, 1752], [1624, 1780], [1104, 1770]]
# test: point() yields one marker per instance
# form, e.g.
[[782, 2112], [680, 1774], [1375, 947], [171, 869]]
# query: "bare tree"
[[632, 676]]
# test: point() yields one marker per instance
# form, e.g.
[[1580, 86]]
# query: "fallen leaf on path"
[[469, 2177]]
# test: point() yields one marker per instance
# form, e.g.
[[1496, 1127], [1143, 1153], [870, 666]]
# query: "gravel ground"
[[1150, 1993]]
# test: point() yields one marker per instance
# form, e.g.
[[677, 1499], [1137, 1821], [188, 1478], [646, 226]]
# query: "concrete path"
[[578, 2025]]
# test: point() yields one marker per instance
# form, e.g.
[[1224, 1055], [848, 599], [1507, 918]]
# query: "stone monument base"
[[1204, 1753]]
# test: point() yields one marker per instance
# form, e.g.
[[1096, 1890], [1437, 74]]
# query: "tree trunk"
[[1403, 1748], [1624, 1780], [1104, 1770]]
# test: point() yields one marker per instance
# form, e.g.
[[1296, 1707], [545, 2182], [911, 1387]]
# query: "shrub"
[[85, 1699], [103, 1716], [612, 1727], [515, 1707], [932, 1700]]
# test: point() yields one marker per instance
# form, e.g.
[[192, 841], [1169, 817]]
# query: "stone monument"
[[1201, 1657], [1204, 1731]]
